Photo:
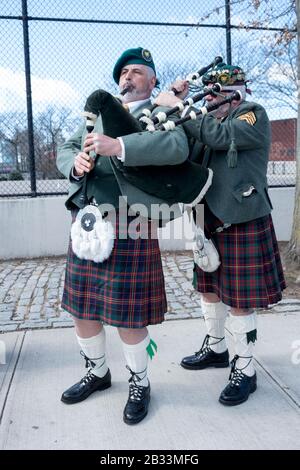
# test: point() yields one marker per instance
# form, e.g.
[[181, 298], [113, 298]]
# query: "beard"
[[134, 94]]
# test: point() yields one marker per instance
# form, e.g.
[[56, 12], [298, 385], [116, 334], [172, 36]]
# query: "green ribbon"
[[151, 348], [251, 336]]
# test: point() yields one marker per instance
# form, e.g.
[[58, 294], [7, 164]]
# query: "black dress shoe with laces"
[[239, 388], [88, 384], [138, 401], [206, 357]]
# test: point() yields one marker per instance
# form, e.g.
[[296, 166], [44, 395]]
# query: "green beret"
[[133, 56], [225, 74]]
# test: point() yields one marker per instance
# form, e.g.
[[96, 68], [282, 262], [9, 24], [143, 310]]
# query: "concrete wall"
[[33, 227], [283, 200], [40, 227]]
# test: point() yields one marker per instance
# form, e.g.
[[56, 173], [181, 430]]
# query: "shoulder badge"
[[249, 117]]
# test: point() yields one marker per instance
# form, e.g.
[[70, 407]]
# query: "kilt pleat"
[[127, 290], [250, 274]]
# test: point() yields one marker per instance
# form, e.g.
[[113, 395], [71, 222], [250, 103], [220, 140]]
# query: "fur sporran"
[[92, 236], [206, 255]]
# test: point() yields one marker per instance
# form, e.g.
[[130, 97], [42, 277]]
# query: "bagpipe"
[[161, 116], [168, 182], [186, 182], [191, 79], [170, 125]]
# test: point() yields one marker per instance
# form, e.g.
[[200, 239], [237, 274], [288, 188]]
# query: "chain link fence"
[[56, 53]]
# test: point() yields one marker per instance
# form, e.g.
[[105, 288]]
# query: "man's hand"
[[170, 99], [181, 87], [102, 145], [166, 99], [83, 163]]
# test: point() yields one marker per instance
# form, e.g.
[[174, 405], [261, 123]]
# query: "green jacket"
[[240, 193], [144, 148]]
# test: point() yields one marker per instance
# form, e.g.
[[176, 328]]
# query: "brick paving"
[[30, 292]]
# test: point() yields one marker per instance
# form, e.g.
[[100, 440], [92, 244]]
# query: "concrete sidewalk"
[[184, 411]]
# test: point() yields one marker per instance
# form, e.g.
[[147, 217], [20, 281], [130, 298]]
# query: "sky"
[[70, 60]]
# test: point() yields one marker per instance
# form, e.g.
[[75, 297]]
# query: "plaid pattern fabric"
[[250, 274], [127, 290]]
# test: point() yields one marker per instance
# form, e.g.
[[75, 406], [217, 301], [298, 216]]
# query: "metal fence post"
[[228, 32], [28, 99]]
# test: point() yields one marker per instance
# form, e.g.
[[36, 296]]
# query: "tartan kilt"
[[127, 290], [250, 274]]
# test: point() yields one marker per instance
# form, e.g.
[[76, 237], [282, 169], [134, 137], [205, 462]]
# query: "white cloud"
[[238, 20], [45, 91], [280, 73]]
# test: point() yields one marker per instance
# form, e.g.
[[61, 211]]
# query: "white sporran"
[[206, 255], [92, 236]]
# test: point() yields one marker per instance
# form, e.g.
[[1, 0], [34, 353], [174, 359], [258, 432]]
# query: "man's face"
[[213, 99], [139, 79]]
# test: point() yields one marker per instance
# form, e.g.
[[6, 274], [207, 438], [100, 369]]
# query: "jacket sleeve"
[[218, 135], [156, 148], [67, 152]]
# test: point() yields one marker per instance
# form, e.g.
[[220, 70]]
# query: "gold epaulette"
[[249, 117]]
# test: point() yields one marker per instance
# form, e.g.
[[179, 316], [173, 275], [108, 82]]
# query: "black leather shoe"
[[137, 404], [138, 400], [89, 384], [206, 357], [239, 388]]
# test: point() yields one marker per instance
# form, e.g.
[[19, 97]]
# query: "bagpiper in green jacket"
[[239, 190]]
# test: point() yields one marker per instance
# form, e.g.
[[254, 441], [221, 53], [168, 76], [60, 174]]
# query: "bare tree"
[[49, 129], [13, 139], [293, 252], [272, 72], [268, 57]]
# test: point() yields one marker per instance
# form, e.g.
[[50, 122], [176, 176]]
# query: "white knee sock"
[[243, 328], [136, 357], [215, 317], [94, 349]]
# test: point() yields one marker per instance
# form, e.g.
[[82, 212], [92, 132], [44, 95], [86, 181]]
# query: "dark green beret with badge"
[[225, 74], [137, 55]]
